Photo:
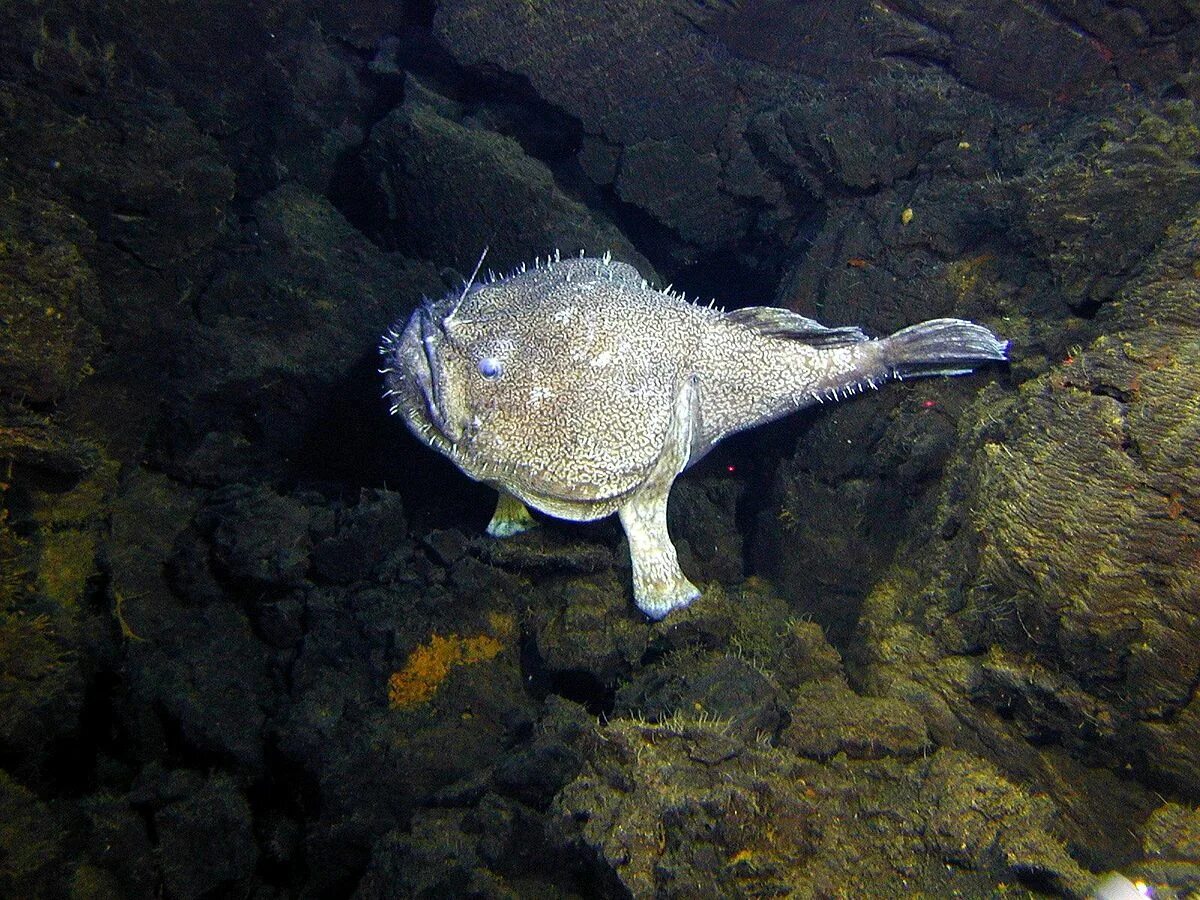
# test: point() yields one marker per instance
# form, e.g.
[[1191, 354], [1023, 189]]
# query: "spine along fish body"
[[574, 387]]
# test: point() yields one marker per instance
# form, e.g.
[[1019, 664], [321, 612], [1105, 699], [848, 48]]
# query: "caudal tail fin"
[[941, 347]]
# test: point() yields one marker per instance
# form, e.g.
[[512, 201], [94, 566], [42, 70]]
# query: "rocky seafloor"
[[252, 640]]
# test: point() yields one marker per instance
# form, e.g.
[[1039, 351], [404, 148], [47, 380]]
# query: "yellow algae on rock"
[[963, 274], [428, 666]]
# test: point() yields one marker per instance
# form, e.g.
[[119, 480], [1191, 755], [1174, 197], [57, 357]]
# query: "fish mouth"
[[431, 377], [422, 365]]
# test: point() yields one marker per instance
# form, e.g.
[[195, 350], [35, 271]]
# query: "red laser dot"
[[928, 404]]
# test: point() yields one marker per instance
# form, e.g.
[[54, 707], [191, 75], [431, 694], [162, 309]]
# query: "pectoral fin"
[[659, 585], [511, 517], [683, 432]]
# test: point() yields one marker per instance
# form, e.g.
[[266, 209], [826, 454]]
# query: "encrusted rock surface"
[[1052, 597], [681, 807]]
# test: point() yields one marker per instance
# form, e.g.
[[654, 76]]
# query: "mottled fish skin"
[[580, 390], [591, 359]]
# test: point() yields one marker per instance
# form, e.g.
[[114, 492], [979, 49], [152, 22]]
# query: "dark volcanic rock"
[[30, 844], [282, 329], [547, 551], [724, 688], [828, 718], [682, 159], [52, 640], [536, 772], [324, 100], [369, 538], [119, 842], [206, 839], [41, 692], [840, 504], [567, 51], [702, 518], [430, 860], [208, 680], [834, 141], [1171, 835], [453, 188], [259, 536], [649, 176], [1120, 183], [137, 169], [376, 744], [660, 804], [1024, 54], [587, 627]]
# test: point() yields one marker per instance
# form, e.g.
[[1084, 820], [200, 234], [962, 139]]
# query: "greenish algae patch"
[[65, 528], [38, 675], [1118, 190], [45, 286], [52, 520], [683, 806]]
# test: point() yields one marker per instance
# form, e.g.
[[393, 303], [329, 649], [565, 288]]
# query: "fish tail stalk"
[[940, 347], [936, 347]]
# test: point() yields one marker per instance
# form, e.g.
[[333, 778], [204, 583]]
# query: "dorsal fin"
[[772, 321]]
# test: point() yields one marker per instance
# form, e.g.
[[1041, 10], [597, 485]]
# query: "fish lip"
[[429, 371]]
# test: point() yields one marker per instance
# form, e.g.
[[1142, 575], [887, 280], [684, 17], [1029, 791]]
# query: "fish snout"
[[424, 364]]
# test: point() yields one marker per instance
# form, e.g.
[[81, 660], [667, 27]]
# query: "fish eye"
[[490, 368]]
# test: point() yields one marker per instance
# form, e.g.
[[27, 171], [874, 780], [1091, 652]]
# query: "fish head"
[[554, 383], [449, 372]]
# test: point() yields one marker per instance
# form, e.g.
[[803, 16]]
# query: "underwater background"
[[253, 641]]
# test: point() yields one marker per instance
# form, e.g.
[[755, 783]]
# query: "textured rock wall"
[[1066, 537]]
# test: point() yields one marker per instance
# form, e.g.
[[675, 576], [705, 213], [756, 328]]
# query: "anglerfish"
[[574, 387]]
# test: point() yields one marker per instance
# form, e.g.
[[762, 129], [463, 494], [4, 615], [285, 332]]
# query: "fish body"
[[574, 387]]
